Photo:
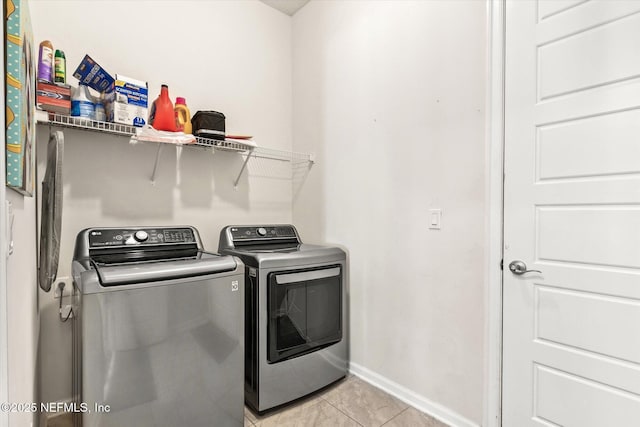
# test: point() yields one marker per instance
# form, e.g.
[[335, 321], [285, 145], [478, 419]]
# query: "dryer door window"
[[305, 311]]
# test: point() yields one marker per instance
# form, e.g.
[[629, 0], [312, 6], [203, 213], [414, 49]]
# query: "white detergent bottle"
[[81, 103]]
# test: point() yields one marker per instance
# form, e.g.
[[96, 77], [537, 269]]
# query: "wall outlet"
[[68, 287]]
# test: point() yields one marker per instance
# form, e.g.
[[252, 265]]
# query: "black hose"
[[61, 286]]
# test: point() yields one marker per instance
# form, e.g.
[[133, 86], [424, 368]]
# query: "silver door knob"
[[519, 267]]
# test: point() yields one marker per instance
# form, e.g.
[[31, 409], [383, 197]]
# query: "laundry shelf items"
[[246, 148]]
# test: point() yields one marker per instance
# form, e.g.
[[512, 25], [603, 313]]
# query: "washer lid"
[[133, 273], [94, 278]]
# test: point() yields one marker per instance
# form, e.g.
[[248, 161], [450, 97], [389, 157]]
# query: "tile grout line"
[[395, 416], [252, 422], [342, 412], [371, 386]]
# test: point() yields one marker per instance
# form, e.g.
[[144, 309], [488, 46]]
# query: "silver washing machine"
[[295, 313], [158, 330]]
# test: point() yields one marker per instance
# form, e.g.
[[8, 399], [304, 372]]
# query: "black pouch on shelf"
[[208, 124]]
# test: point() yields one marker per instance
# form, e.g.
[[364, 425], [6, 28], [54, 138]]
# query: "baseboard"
[[421, 403]]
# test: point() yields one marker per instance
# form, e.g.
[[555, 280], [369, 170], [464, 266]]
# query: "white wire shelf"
[[248, 149], [60, 120], [223, 144], [64, 121]]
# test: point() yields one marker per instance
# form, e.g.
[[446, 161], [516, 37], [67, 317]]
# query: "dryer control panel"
[[265, 232], [110, 237]]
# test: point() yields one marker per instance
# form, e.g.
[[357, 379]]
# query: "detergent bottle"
[[162, 116], [81, 103], [183, 116]]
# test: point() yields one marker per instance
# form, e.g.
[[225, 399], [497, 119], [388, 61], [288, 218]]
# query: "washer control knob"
[[141, 235], [262, 231]]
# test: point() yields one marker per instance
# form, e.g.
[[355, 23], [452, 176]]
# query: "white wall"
[[390, 95], [18, 300], [4, 343], [229, 56], [22, 308]]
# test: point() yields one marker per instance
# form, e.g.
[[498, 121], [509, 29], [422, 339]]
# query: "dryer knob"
[[262, 231], [141, 235]]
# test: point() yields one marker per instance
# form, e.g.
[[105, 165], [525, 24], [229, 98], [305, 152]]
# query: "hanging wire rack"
[[249, 149]]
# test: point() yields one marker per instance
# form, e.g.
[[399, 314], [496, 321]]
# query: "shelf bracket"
[[244, 165], [155, 165]]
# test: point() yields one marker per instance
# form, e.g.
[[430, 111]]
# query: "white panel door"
[[571, 349]]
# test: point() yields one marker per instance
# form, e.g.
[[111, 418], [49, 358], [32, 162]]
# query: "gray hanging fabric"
[[51, 217]]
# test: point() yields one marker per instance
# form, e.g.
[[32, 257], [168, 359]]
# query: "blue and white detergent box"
[[127, 101], [90, 73]]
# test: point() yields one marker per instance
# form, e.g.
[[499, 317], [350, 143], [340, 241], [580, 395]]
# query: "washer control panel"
[[271, 232], [106, 237]]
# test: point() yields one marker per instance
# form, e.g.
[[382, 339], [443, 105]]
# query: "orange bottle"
[[162, 116]]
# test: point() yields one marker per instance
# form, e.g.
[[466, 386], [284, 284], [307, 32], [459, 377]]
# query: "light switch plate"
[[435, 219]]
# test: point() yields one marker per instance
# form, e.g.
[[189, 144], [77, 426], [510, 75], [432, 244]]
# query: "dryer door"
[[305, 311]]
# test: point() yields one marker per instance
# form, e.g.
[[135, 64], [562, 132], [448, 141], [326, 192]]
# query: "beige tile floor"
[[351, 402]]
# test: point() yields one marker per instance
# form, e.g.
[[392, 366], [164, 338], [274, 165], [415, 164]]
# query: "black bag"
[[208, 124]]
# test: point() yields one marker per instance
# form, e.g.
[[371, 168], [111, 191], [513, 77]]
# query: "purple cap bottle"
[[45, 61]]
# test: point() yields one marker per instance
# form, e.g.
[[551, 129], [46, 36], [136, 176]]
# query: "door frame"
[[494, 214]]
